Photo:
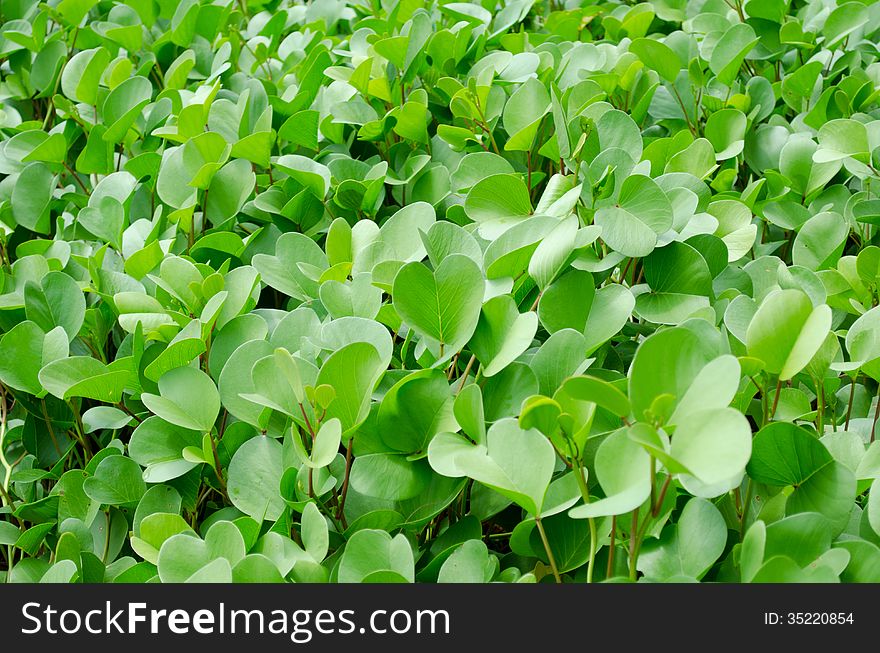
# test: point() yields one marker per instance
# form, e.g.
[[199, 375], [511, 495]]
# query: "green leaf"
[[373, 556], [24, 350], [502, 334], [443, 305], [514, 462], [830, 491], [389, 477], [714, 446], [414, 410], [255, 477], [523, 112], [820, 241], [843, 21], [283, 270], [326, 444], [726, 130], [81, 75], [31, 197], [785, 454], [682, 354], [470, 563], [116, 481], [187, 398], [622, 469], [158, 446], [787, 331], [497, 202], [186, 558], [841, 138], [688, 548], [657, 56], [84, 376], [730, 51], [352, 371], [641, 213]]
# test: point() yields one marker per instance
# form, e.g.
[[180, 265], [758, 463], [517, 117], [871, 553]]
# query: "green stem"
[[876, 416], [547, 548], [610, 568], [7, 501], [6, 466], [75, 178], [776, 399], [529, 168], [467, 370], [125, 409], [534, 306], [764, 406], [655, 510], [79, 430], [308, 423], [340, 510], [852, 394], [204, 213], [585, 493], [217, 466], [106, 539], [745, 513], [634, 545], [49, 426], [683, 110]]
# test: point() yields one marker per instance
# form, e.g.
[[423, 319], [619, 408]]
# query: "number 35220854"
[[808, 618]]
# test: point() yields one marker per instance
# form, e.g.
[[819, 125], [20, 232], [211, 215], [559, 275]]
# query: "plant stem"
[[634, 544], [75, 178], [217, 466], [348, 459], [775, 399], [610, 568], [852, 394], [745, 513], [49, 426], [121, 405], [625, 270], [655, 509], [764, 406], [529, 167], [549, 551], [204, 213], [683, 110], [308, 424], [464, 374], [585, 493], [452, 367], [535, 304], [7, 474], [876, 416], [79, 430]]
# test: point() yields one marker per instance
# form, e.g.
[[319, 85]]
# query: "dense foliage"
[[412, 290]]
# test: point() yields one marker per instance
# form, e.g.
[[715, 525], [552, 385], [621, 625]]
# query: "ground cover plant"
[[412, 290]]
